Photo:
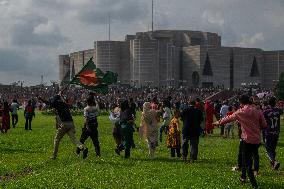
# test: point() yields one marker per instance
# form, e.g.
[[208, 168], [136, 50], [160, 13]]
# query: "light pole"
[[278, 70]]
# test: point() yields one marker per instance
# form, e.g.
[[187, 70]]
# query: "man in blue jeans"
[[192, 118]]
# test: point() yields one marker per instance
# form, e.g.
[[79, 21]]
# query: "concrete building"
[[180, 57], [113, 56], [79, 59], [64, 68]]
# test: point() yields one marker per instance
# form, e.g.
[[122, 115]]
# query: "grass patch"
[[24, 162]]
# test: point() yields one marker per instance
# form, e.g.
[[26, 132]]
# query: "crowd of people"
[[182, 114]]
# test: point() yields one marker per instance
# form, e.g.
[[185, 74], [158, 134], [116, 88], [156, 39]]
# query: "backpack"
[[29, 109]]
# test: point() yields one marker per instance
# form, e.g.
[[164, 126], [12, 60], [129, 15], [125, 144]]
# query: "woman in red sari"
[[209, 112], [1, 110], [5, 117]]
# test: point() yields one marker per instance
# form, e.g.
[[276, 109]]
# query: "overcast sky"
[[34, 32]]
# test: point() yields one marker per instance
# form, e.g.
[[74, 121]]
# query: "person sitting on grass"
[[64, 124], [174, 135], [252, 121], [90, 128]]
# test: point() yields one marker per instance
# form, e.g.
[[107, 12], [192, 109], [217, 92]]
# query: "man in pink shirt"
[[252, 121]]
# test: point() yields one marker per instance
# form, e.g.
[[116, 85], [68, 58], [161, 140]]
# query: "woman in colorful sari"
[[149, 128], [174, 135]]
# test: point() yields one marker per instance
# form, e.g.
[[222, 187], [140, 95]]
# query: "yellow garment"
[[174, 135]]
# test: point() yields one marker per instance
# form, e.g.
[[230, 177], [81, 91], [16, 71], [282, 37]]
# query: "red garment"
[[5, 120], [229, 113], [209, 112]]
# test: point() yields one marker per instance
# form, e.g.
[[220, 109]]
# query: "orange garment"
[[174, 135]]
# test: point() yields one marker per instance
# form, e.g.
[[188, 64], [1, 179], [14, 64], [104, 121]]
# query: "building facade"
[[179, 58]]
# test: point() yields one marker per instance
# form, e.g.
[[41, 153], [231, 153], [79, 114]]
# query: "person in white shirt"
[[90, 129], [167, 116], [14, 112]]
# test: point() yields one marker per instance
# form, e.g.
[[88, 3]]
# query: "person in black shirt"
[[64, 124], [271, 133], [132, 107], [29, 113], [192, 118]]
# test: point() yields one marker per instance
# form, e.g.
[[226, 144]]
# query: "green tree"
[[279, 88]]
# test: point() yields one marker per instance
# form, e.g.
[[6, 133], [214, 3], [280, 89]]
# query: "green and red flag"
[[92, 78]]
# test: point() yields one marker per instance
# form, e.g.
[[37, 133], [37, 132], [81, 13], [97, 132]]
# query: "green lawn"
[[25, 163]]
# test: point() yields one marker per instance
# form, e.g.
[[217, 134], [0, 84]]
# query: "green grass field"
[[25, 163]]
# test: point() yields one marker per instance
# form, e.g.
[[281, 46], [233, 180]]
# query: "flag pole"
[[63, 88], [152, 15]]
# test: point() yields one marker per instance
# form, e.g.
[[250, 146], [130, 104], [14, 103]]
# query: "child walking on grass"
[[229, 127], [174, 135]]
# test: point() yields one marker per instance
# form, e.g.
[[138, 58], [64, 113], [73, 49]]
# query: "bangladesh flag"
[[92, 78]]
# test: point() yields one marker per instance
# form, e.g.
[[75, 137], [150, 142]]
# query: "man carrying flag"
[[64, 124], [95, 80], [90, 78]]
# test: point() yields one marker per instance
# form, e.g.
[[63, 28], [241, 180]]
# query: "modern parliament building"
[[178, 58]]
